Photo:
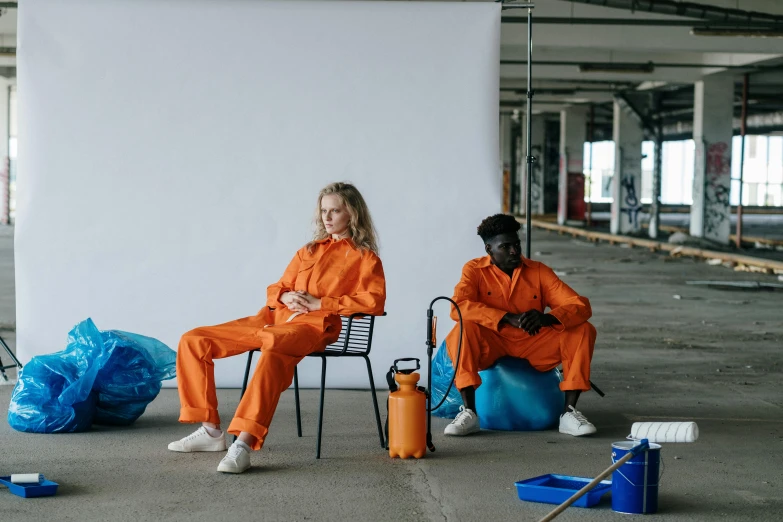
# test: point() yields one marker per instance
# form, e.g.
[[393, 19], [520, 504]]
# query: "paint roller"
[[27, 478]]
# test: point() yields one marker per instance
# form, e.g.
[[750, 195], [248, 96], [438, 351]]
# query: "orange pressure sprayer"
[[407, 414], [410, 406]]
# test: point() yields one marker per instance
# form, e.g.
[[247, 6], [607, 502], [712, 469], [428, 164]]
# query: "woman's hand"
[[295, 302], [311, 302]]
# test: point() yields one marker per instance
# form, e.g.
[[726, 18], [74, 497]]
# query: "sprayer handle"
[[407, 359]]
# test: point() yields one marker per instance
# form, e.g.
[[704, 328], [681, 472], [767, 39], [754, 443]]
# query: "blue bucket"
[[635, 483]]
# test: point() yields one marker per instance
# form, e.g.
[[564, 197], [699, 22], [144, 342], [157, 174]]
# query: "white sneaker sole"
[[228, 468], [463, 433], [179, 448], [577, 434]]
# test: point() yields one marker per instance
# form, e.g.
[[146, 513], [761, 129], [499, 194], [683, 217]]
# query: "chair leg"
[[321, 408], [247, 373], [296, 398], [597, 389], [375, 403], [11, 354]]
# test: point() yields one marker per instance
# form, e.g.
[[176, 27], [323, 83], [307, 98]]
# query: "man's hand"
[[295, 302], [514, 320], [311, 302], [531, 321]]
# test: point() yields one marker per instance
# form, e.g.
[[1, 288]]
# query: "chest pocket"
[[348, 274], [530, 302], [531, 299], [491, 296], [305, 271]]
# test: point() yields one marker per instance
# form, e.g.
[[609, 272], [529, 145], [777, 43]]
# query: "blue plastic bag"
[[132, 377], [442, 372], [101, 377]]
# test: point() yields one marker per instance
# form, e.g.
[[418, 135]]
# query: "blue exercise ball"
[[514, 396]]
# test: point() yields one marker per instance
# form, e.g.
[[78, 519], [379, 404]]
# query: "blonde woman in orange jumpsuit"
[[338, 273]]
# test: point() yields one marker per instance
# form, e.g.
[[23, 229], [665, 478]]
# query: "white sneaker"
[[236, 460], [574, 423], [465, 423], [200, 440]]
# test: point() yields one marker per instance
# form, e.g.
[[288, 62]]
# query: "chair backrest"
[[355, 336]]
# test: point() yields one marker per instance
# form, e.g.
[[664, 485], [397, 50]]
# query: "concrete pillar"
[[712, 133], [537, 151], [573, 132], [655, 206], [627, 178], [505, 156]]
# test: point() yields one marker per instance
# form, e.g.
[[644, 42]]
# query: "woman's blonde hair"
[[360, 227]]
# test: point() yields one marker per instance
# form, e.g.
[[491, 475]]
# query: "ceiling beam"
[[696, 24], [663, 65], [688, 9]]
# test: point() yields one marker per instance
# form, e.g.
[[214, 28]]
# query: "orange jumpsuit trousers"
[[485, 294], [347, 280]]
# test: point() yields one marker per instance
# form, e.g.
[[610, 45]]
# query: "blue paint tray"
[[556, 489], [45, 488]]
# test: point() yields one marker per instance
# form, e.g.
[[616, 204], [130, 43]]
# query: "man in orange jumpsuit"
[[338, 273], [503, 298]]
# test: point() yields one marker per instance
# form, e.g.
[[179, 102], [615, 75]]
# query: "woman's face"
[[335, 216]]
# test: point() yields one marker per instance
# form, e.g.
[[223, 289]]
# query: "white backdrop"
[[170, 154]]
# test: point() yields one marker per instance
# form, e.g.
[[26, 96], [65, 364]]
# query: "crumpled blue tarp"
[[101, 377], [442, 372]]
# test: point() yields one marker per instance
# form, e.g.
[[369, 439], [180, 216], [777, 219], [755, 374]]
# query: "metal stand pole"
[[530, 158], [430, 349], [590, 169]]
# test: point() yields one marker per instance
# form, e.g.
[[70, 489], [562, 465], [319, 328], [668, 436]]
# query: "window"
[[762, 176]]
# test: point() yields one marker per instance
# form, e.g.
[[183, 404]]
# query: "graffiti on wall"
[[716, 188], [631, 203]]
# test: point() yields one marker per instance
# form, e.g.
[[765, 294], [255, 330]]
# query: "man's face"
[[505, 250]]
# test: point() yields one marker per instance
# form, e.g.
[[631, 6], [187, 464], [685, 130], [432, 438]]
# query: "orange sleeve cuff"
[[330, 304], [495, 316], [274, 301], [558, 314]]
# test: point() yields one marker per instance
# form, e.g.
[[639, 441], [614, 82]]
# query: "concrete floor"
[[713, 356]]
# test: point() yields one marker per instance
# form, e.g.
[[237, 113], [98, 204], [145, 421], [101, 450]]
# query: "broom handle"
[[562, 507]]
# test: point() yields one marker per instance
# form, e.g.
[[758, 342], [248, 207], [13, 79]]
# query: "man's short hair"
[[496, 225]]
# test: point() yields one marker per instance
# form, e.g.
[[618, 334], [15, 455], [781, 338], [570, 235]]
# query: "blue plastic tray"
[[556, 489], [45, 489]]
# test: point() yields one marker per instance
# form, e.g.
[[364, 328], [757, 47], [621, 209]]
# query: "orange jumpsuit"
[[346, 279], [486, 293]]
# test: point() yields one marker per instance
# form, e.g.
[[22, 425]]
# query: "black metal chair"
[[355, 341], [4, 367]]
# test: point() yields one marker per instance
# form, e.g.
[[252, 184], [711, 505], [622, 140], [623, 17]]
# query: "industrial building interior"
[[655, 166]]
